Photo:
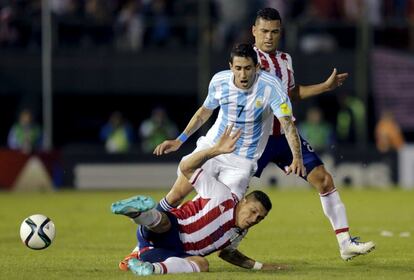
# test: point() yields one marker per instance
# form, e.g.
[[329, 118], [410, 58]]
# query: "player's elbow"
[[204, 114], [221, 254], [185, 169], [224, 254]]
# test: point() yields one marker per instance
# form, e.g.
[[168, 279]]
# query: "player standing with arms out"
[[267, 33], [177, 241], [248, 98]]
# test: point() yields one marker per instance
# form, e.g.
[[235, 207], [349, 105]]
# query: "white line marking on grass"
[[405, 234], [387, 233]]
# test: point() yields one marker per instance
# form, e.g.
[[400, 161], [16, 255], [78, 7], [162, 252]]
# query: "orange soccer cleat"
[[123, 265]]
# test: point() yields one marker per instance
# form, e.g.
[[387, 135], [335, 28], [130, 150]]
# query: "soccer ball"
[[37, 232]]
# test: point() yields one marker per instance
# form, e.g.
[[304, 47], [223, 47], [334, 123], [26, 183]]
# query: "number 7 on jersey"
[[241, 108]]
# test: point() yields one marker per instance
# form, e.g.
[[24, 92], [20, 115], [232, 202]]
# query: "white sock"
[[149, 218], [342, 238], [334, 209], [175, 265]]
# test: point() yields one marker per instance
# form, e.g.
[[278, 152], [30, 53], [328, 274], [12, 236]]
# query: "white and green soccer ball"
[[37, 232]]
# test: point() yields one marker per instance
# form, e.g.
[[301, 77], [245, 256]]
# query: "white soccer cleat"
[[351, 248]]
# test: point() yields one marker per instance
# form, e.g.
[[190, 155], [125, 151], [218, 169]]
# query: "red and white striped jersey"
[[207, 223], [278, 64]]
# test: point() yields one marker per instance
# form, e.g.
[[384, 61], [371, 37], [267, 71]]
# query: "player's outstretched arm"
[[335, 80], [293, 139], [198, 119], [226, 144], [236, 257]]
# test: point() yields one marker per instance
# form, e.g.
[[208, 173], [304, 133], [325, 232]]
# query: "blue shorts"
[[163, 245], [278, 151]]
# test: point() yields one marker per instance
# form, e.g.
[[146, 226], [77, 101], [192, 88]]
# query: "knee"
[[201, 262], [321, 180], [179, 191], [326, 184], [164, 224], [174, 197]]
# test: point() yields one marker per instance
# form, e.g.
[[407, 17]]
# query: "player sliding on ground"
[[177, 241], [267, 33]]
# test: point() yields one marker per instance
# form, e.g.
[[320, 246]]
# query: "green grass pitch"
[[90, 240]]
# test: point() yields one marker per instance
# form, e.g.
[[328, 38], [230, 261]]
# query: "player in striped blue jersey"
[[247, 108], [248, 98]]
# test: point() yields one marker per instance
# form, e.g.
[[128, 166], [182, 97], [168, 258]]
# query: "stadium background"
[[133, 56], [137, 55]]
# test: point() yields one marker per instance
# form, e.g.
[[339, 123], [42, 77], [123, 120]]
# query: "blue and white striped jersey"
[[249, 109]]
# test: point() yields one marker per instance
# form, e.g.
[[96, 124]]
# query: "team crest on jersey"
[[225, 101], [259, 102], [285, 109]]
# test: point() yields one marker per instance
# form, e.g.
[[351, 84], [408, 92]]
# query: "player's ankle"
[[343, 237]]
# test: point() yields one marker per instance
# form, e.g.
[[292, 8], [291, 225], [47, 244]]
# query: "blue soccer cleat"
[[133, 206], [140, 268]]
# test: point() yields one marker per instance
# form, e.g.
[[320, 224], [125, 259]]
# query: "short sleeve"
[[211, 101], [280, 102], [236, 241], [291, 73]]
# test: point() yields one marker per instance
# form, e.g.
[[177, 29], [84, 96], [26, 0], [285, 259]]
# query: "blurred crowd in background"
[[131, 25], [134, 26], [118, 135]]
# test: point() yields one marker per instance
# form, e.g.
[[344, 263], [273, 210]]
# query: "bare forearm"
[[312, 90], [292, 136], [332, 82], [237, 258], [302, 92], [195, 161], [226, 144], [199, 118]]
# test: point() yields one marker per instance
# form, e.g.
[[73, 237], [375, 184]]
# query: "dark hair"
[[243, 50], [262, 198], [268, 14]]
